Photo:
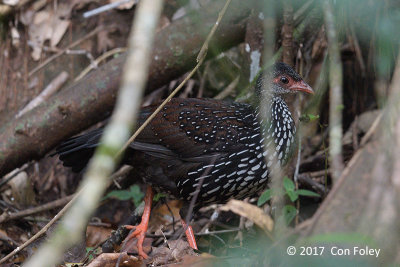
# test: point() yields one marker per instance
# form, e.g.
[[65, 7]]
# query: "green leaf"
[[313, 117], [308, 193], [89, 252], [308, 117], [158, 196], [133, 193], [292, 195], [119, 194], [137, 194], [288, 184], [289, 213], [265, 196]]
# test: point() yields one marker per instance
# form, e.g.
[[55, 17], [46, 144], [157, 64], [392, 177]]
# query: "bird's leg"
[[140, 230], [189, 234]]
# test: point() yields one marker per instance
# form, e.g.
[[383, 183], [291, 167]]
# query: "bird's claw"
[[140, 234]]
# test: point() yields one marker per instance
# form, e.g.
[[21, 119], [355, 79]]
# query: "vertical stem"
[[269, 29], [71, 229], [287, 32], [276, 174], [335, 93]]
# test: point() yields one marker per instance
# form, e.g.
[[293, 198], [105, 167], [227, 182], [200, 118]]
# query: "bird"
[[207, 149]]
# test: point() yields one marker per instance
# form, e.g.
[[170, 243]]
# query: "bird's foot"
[[140, 234], [141, 229]]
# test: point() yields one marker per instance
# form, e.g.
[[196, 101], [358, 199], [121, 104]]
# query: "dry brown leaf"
[[175, 251], [59, 28], [161, 216], [22, 190], [96, 234], [48, 24], [131, 246], [110, 260], [39, 32], [251, 212], [45, 25]]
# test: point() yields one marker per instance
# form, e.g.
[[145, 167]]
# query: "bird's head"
[[280, 79]]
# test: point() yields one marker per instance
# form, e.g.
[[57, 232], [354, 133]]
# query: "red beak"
[[302, 86]]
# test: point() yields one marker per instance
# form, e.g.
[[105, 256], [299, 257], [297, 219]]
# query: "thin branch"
[[116, 133], [105, 8], [304, 178], [48, 206], [287, 33], [228, 90], [335, 93], [97, 61]]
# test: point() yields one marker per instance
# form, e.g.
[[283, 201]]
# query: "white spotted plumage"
[[239, 173]]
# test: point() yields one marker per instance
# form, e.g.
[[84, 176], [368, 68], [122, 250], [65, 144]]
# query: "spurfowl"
[[222, 149]]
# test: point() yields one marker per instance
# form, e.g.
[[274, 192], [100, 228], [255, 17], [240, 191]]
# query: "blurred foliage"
[[134, 193], [289, 211]]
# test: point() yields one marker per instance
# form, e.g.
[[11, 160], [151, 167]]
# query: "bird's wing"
[[190, 130], [196, 129]]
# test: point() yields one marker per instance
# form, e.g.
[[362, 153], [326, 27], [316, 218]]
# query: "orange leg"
[[140, 230], [189, 234]]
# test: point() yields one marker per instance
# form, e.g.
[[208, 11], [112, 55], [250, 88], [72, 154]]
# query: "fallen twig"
[[53, 57], [50, 89], [48, 206]]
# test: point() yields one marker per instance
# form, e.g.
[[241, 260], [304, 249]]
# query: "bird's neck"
[[277, 126], [274, 117], [271, 109]]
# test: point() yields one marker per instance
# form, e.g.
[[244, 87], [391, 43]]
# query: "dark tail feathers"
[[77, 151]]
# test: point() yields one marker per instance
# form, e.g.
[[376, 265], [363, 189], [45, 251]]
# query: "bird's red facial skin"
[[293, 85]]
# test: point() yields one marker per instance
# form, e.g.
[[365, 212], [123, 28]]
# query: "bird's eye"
[[284, 80]]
